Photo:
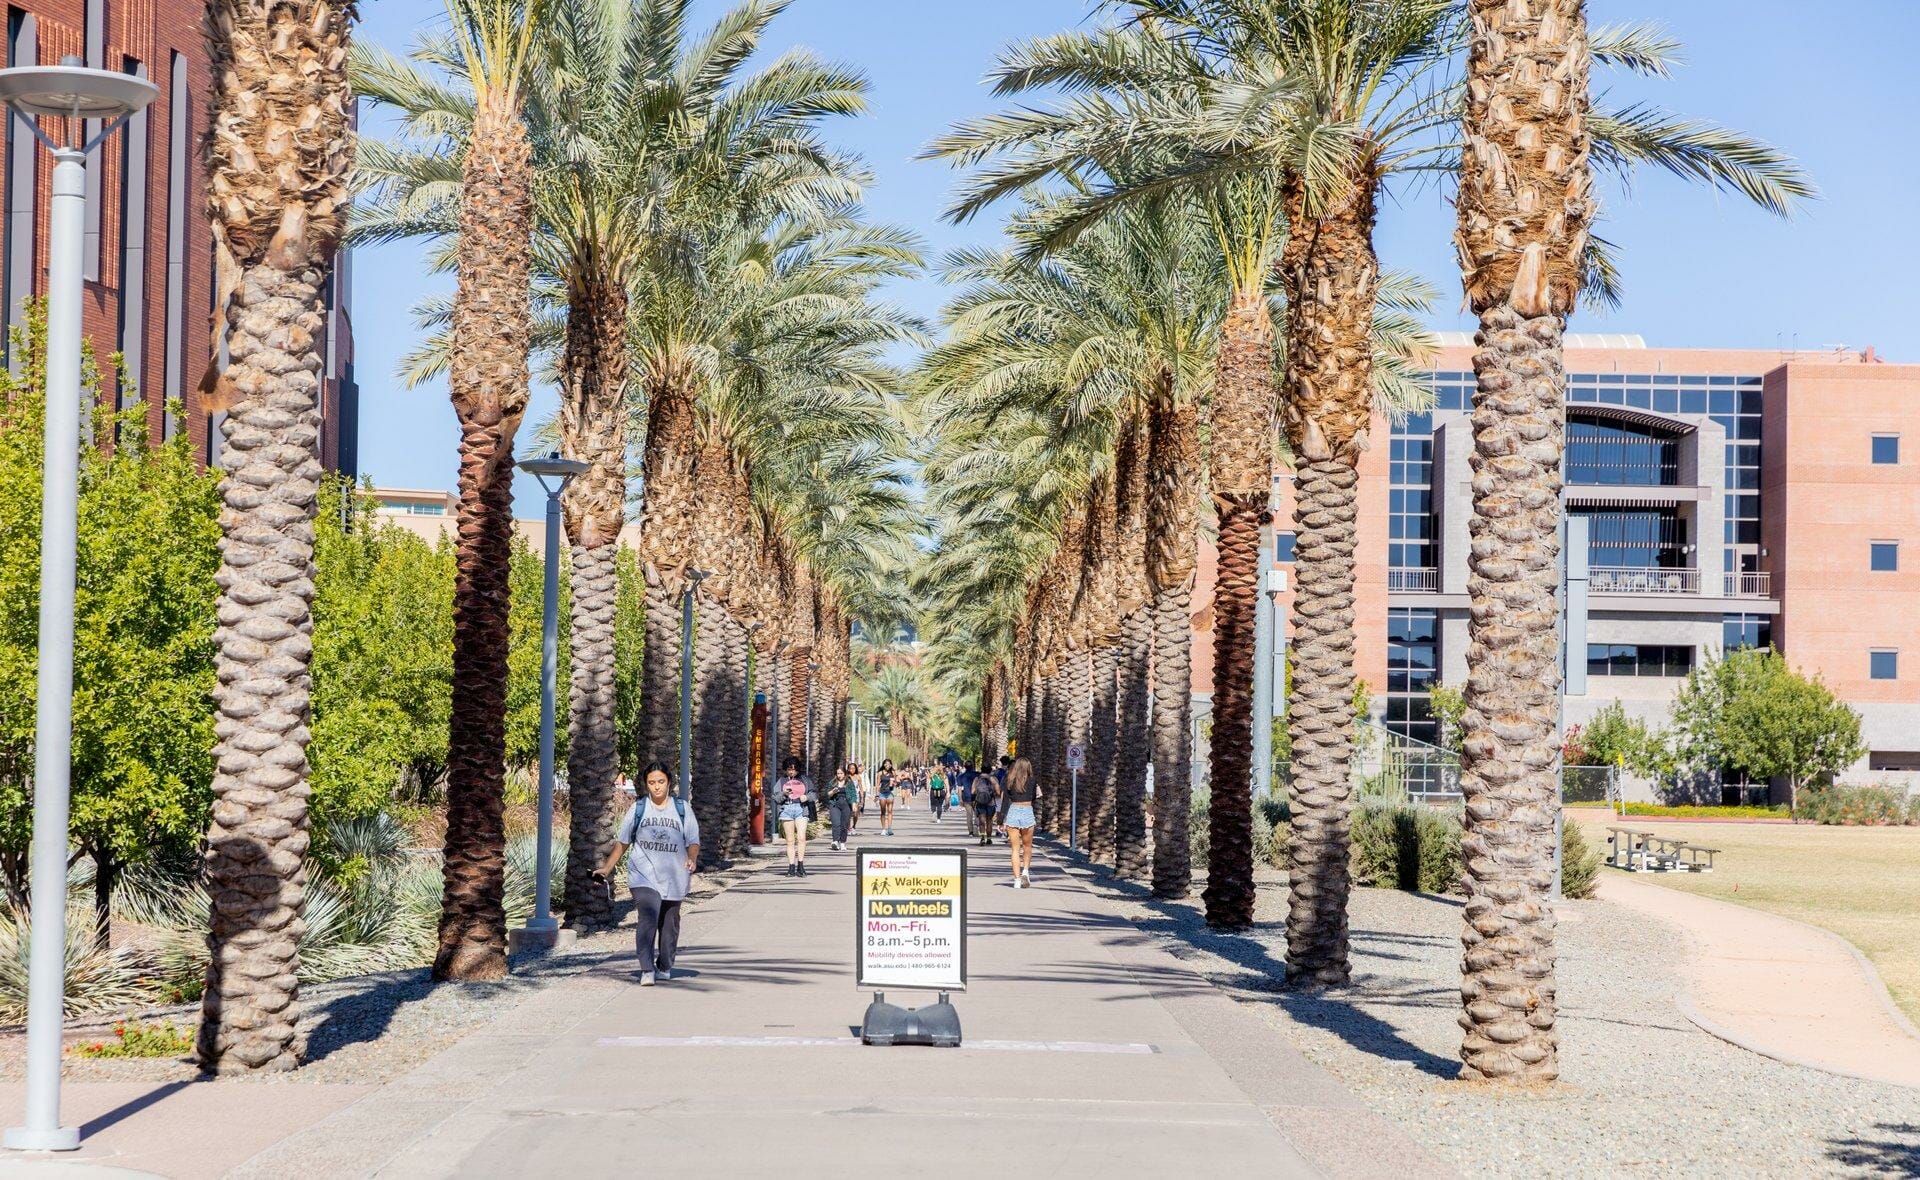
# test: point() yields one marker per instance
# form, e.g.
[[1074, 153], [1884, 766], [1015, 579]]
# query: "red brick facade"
[[175, 279]]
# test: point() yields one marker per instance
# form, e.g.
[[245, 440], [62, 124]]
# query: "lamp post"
[[72, 94], [694, 578], [542, 930]]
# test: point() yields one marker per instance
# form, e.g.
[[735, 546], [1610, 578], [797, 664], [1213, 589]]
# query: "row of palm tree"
[[1269, 132], [666, 235]]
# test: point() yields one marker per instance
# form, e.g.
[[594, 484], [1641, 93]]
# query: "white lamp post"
[[72, 94], [542, 930]]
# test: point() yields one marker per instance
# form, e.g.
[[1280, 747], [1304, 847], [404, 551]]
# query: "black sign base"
[[890, 1024]]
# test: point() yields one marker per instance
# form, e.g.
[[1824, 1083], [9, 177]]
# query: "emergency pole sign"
[[912, 918]]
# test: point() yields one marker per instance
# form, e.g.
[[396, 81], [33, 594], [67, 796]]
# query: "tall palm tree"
[[278, 159], [1526, 208], [468, 182]]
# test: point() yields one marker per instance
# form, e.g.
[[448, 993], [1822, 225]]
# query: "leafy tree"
[[1751, 713], [1449, 708], [148, 546], [1614, 739]]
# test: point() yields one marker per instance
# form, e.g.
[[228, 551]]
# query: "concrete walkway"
[[1780, 987], [1090, 1052]]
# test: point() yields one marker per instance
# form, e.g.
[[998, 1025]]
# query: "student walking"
[[886, 783], [986, 801], [664, 837], [937, 794], [859, 795], [840, 797], [798, 805], [1016, 818]]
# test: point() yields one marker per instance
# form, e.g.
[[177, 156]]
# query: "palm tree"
[[1526, 210], [279, 155]]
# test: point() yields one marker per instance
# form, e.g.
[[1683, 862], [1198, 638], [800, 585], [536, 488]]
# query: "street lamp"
[[72, 94], [554, 474], [694, 578]]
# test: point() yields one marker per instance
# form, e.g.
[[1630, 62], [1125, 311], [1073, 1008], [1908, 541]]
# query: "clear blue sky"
[[1833, 84]]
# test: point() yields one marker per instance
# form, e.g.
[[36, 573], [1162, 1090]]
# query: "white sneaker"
[[646, 979], [664, 974]]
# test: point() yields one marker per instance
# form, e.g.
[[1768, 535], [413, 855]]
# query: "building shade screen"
[[1606, 455], [1639, 538]]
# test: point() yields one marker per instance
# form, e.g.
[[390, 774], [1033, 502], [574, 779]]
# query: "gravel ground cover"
[[1645, 1091], [366, 1029]]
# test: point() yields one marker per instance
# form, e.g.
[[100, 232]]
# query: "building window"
[[1413, 665], [133, 253], [1638, 659], [1410, 529], [1283, 548], [23, 49], [1738, 631], [1883, 664], [1885, 556], [179, 161], [1886, 449], [1607, 455]]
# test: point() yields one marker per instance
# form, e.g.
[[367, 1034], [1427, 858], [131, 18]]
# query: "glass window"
[[1643, 659], [1884, 665], [1885, 556], [1283, 547], [1605, 454], [1886, 448], [1738, 631], [1413, 661]]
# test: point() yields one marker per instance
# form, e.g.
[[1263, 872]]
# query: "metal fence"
[[1388, 767]]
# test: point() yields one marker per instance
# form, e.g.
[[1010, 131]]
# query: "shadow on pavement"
[[128, 1109], [1890, 1149]]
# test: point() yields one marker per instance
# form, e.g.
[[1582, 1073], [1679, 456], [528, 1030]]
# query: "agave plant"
[[97, 979]]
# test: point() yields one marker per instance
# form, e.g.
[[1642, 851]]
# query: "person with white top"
[[664, 837]]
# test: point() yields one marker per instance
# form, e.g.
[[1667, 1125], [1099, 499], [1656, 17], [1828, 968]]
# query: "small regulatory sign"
[[1076, 757], [911, 921]]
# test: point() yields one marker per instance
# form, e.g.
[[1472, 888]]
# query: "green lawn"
[[1861, 883]]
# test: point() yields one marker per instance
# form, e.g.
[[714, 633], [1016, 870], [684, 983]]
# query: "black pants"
[[939, 805], [656, 922], [842, 815]]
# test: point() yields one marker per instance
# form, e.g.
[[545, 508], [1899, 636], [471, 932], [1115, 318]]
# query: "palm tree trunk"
[[275, 203], [1242, 486], [1172, 740], [1049, 736], [1130, 768], [1525, 210], [665, 518], [1078, 707], [1174, 476], [739, 747], [1320, 722], [1332, 277], [712, 712], [1229, 893], [492, 324], [660, 676], [1099, 781], [593, 415], [799, 700]]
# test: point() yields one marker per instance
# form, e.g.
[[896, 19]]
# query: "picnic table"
[[1636, 850]]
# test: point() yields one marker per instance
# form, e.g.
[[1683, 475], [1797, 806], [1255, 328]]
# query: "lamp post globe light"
[[71, 94], [554, 473]]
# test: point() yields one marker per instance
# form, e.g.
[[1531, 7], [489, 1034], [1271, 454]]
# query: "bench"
[[1638, 851]]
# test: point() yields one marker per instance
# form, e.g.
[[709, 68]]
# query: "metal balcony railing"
[[1413, 581], [1648, 580], [1750, 585]]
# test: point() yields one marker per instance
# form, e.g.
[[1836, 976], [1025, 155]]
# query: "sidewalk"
[[1090, 1052], [1780, 987]]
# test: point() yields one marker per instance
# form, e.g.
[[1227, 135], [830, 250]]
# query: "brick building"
[[1733, 497], [148, 247]]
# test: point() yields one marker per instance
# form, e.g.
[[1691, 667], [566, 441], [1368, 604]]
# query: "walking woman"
[[859, 773], [840, 796], [885, 782], [665, 839], [797, 805], [937, 793], [1016, 818]]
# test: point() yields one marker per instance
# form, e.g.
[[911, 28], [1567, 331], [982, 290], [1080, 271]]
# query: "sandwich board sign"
[[911, 923]]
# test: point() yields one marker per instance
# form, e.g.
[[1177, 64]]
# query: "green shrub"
[[1579, 862], [1406, 846], [1269, 831], [1866, 806], [132, 1039], [97, 979]]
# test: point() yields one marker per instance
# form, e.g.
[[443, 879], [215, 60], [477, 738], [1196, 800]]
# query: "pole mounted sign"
[[1076, 756], [910, 926]]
